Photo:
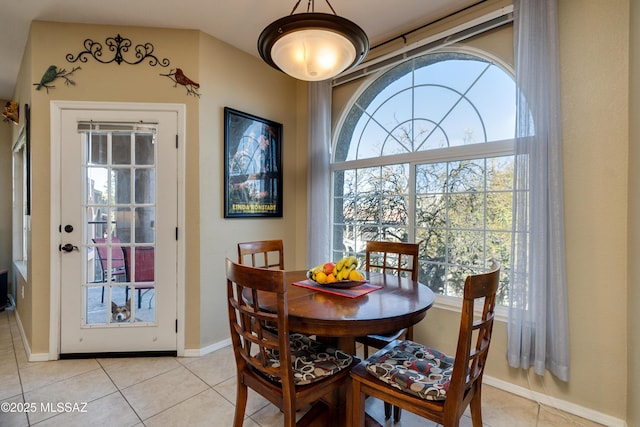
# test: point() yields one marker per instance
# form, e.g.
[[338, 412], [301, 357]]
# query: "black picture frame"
[[27, 152], [252, 166]]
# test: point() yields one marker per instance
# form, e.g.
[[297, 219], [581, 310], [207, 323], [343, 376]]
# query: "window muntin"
[[425, 154]]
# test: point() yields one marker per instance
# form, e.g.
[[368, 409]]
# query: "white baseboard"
[[556, 403], [31, 357], [197, 352]]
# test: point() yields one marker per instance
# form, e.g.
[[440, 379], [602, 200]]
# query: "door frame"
[[56, 109]]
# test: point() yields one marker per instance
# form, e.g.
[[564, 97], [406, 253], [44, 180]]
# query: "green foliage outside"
[[460, 213]]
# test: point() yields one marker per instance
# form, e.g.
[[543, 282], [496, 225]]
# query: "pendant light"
[[313, 46]]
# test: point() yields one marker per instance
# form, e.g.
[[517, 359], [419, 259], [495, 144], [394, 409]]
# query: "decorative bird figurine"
[[50, 75], [184, 80], [53, 73], [10, 112], [179, 77]]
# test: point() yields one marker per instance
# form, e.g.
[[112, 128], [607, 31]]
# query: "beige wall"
[[242, 82], [633, 287], [594, 76], [594, 46], [227, 77]]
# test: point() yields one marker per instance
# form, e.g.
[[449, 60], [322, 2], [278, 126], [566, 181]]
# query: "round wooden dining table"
[[399, 303], [338, 320]]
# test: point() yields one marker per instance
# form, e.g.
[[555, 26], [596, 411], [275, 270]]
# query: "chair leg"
[[139, 298], [387, 410], [289, 417], [476, 409], [241, 404], [357, 399], [397, 412], [102, 298]]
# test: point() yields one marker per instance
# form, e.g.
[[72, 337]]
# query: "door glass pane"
[[144, 186], [122, 221], [122, 185], [121, 148], [144, 151], [96, 311], [97, 150], [119, 287], [145, 225]]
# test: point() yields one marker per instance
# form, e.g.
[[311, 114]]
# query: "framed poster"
[[252, 166]]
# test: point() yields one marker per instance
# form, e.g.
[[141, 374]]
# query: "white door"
[[118, 231]]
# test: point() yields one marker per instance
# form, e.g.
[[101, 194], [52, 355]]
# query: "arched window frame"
[[484, 150]]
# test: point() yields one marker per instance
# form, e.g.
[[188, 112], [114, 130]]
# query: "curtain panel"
[[538, 318], [319, 180]]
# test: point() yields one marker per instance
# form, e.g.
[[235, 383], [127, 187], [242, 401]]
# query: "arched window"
[[425, 154]]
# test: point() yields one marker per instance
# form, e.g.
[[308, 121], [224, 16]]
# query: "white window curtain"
[[538, 325], [319, 181]]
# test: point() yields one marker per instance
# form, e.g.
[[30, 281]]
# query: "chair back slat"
[[392, 257], [474, 337], [262, 254]]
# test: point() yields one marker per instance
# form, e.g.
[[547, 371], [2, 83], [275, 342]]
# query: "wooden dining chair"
[[425, 381], [289, 369], [262, 253], [396, 258]]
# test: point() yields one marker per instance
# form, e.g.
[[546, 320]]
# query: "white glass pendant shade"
[[313, 54], [313, 46]]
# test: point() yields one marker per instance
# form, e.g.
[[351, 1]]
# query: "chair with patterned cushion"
[[428, 382], [290, 370], [262, 253], [396, 258], [111, 259]]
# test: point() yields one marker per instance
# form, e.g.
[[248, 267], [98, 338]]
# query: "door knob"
[[68, 247]]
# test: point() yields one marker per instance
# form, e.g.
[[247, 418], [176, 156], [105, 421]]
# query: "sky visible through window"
[[442, 105]]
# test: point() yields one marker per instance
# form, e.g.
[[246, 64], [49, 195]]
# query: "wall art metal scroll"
[[52, 73], [119, 46], [142, 52]]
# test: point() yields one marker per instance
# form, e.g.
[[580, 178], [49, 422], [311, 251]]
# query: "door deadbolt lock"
[[68, 247], [68, 228]]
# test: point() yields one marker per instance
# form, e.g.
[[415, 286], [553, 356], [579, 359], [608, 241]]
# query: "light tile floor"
[[173, 391]]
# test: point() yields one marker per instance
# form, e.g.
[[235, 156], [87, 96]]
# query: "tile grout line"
[[15, 358], [118, 390]]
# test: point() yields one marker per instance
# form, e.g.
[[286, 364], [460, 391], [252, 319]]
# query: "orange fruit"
[[321, 277]]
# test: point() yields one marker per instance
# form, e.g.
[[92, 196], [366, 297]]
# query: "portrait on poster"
[[252, 166]]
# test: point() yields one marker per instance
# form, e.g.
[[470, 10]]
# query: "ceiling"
[[237, 22]]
